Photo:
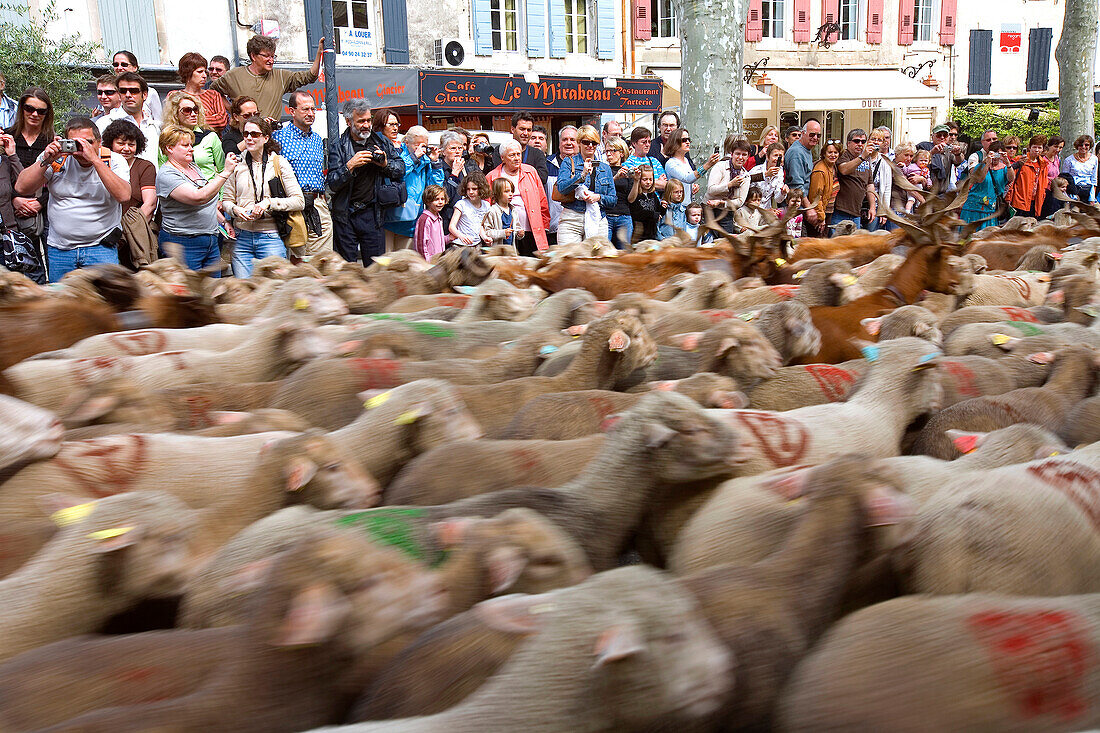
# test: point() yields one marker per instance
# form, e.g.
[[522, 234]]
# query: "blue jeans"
[[199, 250], [624, 223], [838, 216], [61, 261], [255, 245]]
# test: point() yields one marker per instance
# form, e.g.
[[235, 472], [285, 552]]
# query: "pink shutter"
[[754, 29], [905, 23], [948, 15], [830, 11], [802, 31], [874, 21], [643, 31]]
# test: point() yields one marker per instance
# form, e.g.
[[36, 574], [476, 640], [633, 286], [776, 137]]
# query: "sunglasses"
[[813, 134], [858, 140], [251, 133], [833, 142], [120, 64], [106, 92], [189, 110], [589, 142], [31, 110], [1011, 147], [685, 139], [130, 91]]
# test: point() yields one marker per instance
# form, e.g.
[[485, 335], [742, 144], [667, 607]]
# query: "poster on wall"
[[1011, 37], [356, 47]]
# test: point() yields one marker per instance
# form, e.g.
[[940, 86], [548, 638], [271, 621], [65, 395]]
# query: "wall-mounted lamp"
[[610, 82], [531, 77]]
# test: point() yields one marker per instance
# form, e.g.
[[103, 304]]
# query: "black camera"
[[378, 157], [483, 148]]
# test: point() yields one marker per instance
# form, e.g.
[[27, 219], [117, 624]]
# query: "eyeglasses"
[[271, 56], [393, 124], [685, 139], [252, 133], [106, 92], [858, 140], [248, 115], [189, 110], [130, 91], [32, 110], [813, 134], [589, 142], [120, 64]]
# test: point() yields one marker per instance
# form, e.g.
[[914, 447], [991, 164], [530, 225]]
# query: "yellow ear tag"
[[384, 261], [780, 261], [406, 418], [800, 274], [850, 280], [72, 514], [377, 400], [1055, 453], [106, 534], [999, 339], [301, 304]]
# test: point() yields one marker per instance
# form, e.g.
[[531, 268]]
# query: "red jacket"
[[534, 201], [1030, 186]]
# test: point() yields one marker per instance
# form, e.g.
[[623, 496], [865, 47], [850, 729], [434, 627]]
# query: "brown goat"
[[858, 249]]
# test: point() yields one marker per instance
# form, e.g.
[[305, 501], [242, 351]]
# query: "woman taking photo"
[[1081, 169], [247, 197], [189, 202], [185, 110], [882, 178], [32, 131], [773, 191], [824, 186], [480, 157], [620, 225], [192, 73], [676, 150], [981, 202]]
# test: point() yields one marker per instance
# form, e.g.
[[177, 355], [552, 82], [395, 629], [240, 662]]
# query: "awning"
[[824, 89], [753, 99]]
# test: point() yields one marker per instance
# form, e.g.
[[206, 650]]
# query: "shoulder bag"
[[291, 225], [564, 198]]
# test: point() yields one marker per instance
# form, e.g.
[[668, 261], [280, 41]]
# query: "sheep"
[[499, 300], [457, 470], [320, 604], [324, 392], [613, 347], [274, 350], [987, 314], [909, 320], [601, 658], [108, 555], [223, 424], [1021, 289], [29, 434], [804, 385], [300, 294], [568, 415], [790, 329], [994, 339], [1071, 379], [875, 275], [256, 474], [969, 662], [418, 303], [1082, 423]]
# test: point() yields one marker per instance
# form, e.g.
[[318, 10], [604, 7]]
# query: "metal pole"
[[328, 63]]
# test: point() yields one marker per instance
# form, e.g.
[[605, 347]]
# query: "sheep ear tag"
[[870, 353], [466, 289], [374, 400], [383, 261], [966, 442], [800, 274], [301, 304], [116, 538], [547, 350], [72, 514], [1041, 357], [871, 325], [926, 362], [618, 341], [999, 339]]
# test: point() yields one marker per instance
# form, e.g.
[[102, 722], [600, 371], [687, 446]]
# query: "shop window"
[[772, 17], [922, 20], [663, 18], [576, 26], [350, 14], [503, 15], [834, 126], [849, 20], [883, 118]]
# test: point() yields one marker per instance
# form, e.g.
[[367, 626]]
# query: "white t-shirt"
[[81, 209], [469, 223], [519, 213], [149, 127]]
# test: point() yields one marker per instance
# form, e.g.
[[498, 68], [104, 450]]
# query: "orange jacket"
[[1030, 186], [534, 200]]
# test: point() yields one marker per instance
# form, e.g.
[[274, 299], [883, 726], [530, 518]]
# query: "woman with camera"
[[480, 157], [248, 200], [991, 184]]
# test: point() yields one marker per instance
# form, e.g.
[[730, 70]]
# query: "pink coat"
[[428, 239], [534, 200]]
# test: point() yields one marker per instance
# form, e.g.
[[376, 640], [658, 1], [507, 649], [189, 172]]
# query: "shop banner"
[[384, 86], [457, 92]]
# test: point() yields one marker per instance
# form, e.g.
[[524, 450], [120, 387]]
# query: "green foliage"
[[974, 119], [31, 55]]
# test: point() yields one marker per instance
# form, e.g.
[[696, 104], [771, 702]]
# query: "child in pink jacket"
[[428, 238]]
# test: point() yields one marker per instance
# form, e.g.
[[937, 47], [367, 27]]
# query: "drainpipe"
[[235, 15]]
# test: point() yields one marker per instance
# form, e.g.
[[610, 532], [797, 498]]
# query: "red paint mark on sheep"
[[198, 411], [1040, 659], [527, 460], [965, 384], [162, 680], [87, 371], [400, 288], [835, 383], [786, 292], [601, 405], [454, 301], [716, 316], [1019, 314], [783, 442], [103, 466], [176, 358], [1077, 482], [378, 373], [137, 343], [1023, 287]]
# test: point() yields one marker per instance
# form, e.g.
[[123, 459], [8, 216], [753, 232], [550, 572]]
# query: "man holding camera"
[[947, 156], [87, 186], [366, 176]]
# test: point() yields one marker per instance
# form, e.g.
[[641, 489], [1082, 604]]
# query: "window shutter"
[[874, 21], [905, 23], [557, 29], [981, 61], [830, 11], [395, 31], [948, 16], [642, 29], [536, 28], [754, 29], [802, 30], [483, 28], [130, 24], [605, 29], [1038, 59]]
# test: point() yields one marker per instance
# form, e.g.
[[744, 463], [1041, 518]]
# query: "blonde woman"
[[619, 224], [183, 109], [768, 136]]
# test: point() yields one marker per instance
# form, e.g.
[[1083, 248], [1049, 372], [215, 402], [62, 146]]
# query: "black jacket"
[[388, 181], [532, 157]]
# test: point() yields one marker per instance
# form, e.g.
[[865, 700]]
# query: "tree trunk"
[[712, 49], [1076, 55]]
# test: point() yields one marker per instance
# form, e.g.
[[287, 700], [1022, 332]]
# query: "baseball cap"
[[940, 128]]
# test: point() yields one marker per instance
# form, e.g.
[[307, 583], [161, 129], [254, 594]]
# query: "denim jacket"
[[569, 177]]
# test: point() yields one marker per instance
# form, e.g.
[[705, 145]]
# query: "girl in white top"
[[773, 190], [465, 225]]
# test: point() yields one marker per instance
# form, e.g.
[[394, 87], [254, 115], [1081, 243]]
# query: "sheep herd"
[[849, 485]]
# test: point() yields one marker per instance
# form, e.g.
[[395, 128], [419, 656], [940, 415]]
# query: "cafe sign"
[[446, 91]]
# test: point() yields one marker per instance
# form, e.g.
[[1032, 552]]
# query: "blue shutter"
[[536, 28], [130, 25], [1038, 59], [395, 31], [605, 29], [557, 28], [981, 60], [483, 28], [15, 15]]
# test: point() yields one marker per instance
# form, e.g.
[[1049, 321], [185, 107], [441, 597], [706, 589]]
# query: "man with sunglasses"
[[8, 106], [133, 90], [262, 81], [799, 160], [855, 176], [106, 93]]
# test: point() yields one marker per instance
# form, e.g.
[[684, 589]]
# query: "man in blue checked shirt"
[[305, 150]]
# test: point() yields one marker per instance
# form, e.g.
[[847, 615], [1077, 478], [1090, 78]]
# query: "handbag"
[[19, 254], [291, 225], [564, 198]]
